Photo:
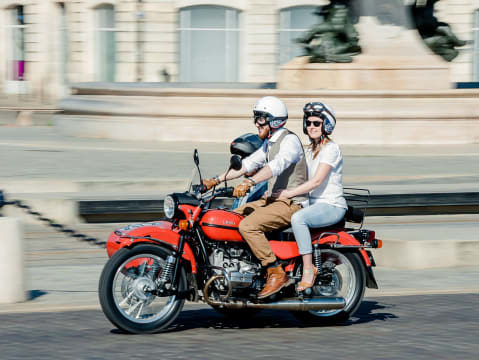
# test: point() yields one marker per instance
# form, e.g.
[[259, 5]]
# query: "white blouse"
[[331, 189]]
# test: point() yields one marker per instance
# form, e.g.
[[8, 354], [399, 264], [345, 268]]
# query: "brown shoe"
[[277, 279]]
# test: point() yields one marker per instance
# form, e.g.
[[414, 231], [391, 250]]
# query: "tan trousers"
[[263, 215]]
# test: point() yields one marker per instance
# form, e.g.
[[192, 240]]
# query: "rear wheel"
[[348, 280], [127, 290]]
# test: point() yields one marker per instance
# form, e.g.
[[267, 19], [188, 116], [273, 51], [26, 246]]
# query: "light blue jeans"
[[316, 215]]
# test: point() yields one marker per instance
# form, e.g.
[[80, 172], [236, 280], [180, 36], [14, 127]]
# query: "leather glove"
[[209, 183], [241, 189]]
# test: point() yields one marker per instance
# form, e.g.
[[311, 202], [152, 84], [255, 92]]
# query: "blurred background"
[[47, 45], [127, 62]]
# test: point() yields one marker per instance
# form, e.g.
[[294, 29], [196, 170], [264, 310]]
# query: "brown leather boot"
[[276, 280]]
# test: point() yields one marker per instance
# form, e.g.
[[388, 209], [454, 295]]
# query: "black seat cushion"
[[354, 215]]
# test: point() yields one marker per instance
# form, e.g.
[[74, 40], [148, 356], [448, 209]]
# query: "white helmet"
[[273, 110]]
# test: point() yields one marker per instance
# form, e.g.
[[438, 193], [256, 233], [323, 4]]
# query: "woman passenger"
[[327, 205]]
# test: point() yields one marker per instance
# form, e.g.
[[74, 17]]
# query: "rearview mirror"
[[235, 162], [196, 157]]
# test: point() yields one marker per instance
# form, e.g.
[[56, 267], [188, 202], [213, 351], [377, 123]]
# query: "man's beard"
[[263, 134]]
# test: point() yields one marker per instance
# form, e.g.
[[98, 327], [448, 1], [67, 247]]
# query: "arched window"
[[16, 44], [293, 22], [209, 44], [105, 46], [476, 46]]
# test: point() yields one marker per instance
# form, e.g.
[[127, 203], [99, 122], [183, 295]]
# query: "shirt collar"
[[276, 135]]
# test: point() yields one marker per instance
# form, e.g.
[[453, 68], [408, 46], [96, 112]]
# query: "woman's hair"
[[316, 148]]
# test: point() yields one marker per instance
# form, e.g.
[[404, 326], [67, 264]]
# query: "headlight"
[[169, 206]]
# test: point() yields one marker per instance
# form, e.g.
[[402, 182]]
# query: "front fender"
[[161, 230]]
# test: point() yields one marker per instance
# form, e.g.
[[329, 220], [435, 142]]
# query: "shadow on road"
[[211, 319], [367, 313]]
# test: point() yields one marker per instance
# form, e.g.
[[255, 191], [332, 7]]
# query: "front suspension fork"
[[172, 267]]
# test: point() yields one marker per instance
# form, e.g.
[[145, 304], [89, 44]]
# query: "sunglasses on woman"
[[315, 123]]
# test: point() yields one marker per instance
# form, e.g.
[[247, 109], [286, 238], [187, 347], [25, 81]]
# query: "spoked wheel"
[[128, 290], [347, 280]]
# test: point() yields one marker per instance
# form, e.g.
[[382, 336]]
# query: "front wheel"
[[128, 286], [347, 280]]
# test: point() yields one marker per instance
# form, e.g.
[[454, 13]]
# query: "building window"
[[476, 46], [293, 22], [209, 44], [105, 43], [63, 43], [16, 44]]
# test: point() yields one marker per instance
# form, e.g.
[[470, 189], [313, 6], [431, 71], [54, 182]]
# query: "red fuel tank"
[[221, 225]]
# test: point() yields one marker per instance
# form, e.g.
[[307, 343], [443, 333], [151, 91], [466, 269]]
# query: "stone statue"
[[335, 39], [438, 36]]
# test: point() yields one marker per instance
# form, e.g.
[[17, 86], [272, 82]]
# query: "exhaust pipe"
[[326, 303], [295, 304]]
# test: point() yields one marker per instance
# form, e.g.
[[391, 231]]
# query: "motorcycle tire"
[[114, 311], [354, 263]]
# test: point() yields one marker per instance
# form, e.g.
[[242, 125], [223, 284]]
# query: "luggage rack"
[[357, 200]]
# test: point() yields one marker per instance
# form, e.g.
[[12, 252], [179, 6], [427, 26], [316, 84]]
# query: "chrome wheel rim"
[[343, 283], [132, 289]]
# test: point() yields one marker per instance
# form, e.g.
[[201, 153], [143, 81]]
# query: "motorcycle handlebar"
[[199, 188], [227, 192]]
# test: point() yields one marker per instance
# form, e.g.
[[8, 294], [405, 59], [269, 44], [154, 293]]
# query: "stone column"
[[12, 278]]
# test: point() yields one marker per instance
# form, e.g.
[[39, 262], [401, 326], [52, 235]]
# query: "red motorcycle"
[[197, 254]]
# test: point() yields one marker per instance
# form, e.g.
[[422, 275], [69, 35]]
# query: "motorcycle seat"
[[286, 234], [354, 215]]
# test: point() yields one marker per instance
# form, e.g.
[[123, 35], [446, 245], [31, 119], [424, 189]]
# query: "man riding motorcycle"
[[281, 161]]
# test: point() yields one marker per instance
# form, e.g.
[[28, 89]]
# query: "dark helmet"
[[322, 111], [245, 145]]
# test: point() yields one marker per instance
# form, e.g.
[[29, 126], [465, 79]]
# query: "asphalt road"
[[402, 327]]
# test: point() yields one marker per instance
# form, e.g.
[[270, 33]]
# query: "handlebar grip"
[[200, 188], [229, 191]]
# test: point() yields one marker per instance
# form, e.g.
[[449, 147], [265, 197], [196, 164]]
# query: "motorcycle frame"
[[183, 249]]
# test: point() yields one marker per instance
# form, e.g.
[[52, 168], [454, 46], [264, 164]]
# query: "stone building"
[[47, 44]]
